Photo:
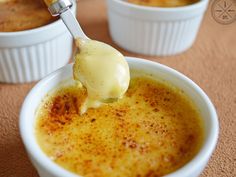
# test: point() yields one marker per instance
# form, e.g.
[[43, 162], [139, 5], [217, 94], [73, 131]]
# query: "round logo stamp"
[[224, 11]]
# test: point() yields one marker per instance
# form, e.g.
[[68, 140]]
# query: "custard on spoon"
[[101, 69]]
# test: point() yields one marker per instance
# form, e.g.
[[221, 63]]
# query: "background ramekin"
[[154, 30], [30, 55], [47, 168]]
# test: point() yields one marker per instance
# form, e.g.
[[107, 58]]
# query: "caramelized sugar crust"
[[163, 3], [152, 131], [19, 15]]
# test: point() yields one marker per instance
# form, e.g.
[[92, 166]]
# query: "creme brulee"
[[163, 3], [19, 15], [152, 131]]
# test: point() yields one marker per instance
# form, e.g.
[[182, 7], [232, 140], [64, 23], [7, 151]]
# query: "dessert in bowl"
[[163, 3], [32, 43], [155, 27], [21, 15], [47, 164]]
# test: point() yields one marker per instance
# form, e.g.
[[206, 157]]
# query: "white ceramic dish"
[[47, 168], [154, 30], [30, 55]]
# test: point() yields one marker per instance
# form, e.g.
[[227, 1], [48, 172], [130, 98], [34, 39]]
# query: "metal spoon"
[[63, 8], [119, 76]]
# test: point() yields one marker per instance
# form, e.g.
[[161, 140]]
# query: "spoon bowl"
[[99, 67]]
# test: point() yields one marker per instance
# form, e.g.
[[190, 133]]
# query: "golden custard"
[[152, 131], [102, 70], [163, 3], [19, 15], [49, 2]]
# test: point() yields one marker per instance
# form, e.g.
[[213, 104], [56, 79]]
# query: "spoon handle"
[[63, 8], [72, 24]]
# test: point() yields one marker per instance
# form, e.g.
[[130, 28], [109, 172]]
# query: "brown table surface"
[[211, 63]]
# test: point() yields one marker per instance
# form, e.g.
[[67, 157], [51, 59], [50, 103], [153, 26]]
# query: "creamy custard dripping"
[[102, 70]]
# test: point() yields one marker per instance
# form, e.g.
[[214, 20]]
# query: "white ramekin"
[[30, 55], [47, 168], [154, 30]]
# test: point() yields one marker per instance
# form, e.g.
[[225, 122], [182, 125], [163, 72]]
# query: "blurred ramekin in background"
[[154, 30], [29, 55]]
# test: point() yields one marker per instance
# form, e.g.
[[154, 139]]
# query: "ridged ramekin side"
[[154, 30], [153, 37], [31, 63]]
